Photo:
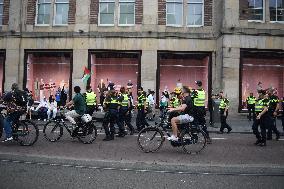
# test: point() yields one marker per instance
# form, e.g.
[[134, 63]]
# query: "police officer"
[[273, 108], [175, 101], [91, 100], [111, 106], [260, 119], [223, 108], [198, 97], [123, 111], [141, 107], [250, 105]]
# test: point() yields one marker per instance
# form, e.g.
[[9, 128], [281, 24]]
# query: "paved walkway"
[[240, 124]]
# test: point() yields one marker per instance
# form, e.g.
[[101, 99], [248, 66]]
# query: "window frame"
[[1, 16], [273, 21], [126, 1], [182, 13], [203, 13], [37, 9], [54, 12], [99, 16], [264, 13]]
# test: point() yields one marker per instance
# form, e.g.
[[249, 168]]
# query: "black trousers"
[[260, 123], [141, 119], [223, 118], [109, 120], [251, 108], [124, 118], [271, 126], [90, 109], [199, 118]]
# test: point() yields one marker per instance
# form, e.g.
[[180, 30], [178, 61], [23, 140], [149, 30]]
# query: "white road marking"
[[219, 138]]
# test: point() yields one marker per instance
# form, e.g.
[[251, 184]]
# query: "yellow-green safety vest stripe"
[[259, 106], [91, 98], [200, 99], [141, 100], [125, 100], [223, 104], [175, 102], [251, 100]]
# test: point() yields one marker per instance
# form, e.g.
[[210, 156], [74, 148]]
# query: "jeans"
[[8, 121]]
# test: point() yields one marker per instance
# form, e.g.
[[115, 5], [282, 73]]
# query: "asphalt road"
[[232, 161]]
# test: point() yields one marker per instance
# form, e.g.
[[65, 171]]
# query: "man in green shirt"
[[79, 106]]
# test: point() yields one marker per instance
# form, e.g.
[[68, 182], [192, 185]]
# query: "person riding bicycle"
[[79, 107], [16, 105], [186, 113]]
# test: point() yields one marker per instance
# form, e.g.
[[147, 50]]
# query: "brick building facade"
[[230, 45]]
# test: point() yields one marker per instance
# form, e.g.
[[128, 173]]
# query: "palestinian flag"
[[86, 76]]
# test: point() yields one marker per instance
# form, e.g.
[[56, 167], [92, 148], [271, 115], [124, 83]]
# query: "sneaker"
[[173, 138], [44, 120], [8, 139], [229, 130]]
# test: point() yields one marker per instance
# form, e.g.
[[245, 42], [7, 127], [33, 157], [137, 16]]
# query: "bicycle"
[[192, 138], [25, 132], [85, 132]]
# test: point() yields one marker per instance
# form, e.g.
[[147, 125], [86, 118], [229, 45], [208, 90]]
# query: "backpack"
[[20, 97]]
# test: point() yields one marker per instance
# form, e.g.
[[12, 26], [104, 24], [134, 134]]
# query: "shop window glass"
[[48, 72], [106, 15], [268, 71], [43, 12], [179, 71], [276, 8], [195, 13], [174, 12], [127, 12], [61, 12], [1, 11], [115, 68], [256, 10], [2, 59]]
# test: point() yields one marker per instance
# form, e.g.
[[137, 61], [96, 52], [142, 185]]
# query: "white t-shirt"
[[151, 99]]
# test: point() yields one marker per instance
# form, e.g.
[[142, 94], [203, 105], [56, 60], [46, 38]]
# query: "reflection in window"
[[276, 8], [127, 12], [46, 72], [106, 15], [43, 12], [182, 70], [256, 10], [1, 11], [114, 67], [174, 12], [61, 12], [2, 59], [268, 70], [195, 12]]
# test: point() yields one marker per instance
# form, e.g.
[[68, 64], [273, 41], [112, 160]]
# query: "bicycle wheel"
[[26, 132], [52, 131], [150, 139], [87, 133], [193, 141]]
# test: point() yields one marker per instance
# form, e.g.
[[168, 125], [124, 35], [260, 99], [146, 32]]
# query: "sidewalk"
[[239, 124]]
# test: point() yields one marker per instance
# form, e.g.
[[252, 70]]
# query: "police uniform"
[[112, 104], [224, 104], [91, 102], [175, 102], [251, 106], [271, 125], [141, 115], [123, 112], [199, 109], [260, 104]]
